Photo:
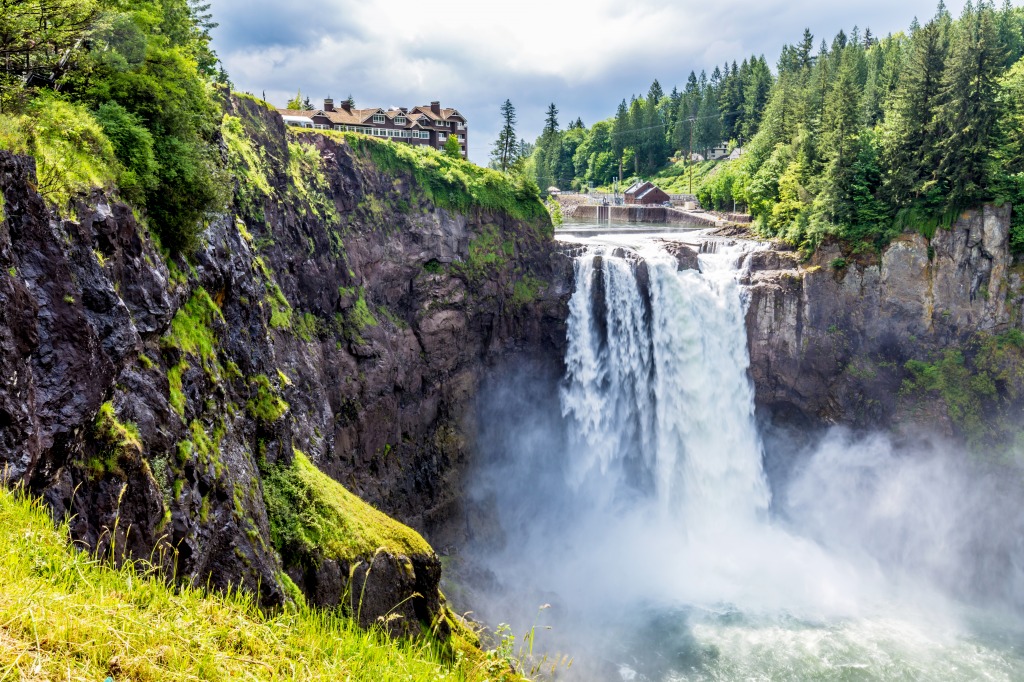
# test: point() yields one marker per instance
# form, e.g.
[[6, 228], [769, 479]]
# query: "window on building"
[[320, 126], [424, 134], [379, 118], [401, 120], [462, 125], [441, 137], [462, 138]]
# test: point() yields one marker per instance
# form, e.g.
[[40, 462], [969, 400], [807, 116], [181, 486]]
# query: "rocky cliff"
[[342, 315], [923, 333]]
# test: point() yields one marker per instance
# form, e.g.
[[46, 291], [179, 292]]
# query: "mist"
[[638, 509]]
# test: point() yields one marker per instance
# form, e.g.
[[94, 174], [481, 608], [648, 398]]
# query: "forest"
[[858, 138]]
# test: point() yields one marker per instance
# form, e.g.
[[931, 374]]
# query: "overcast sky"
[[473, 54]]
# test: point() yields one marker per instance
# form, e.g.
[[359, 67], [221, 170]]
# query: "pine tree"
[[840, 141], [620, 130], [911, 138], [803, 50], [551, 119], [755, 96], [968, 111], [503, 154], [655, 93]]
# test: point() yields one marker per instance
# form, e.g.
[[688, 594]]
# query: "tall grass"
[[72, 153], [451, 183], [64, 615]]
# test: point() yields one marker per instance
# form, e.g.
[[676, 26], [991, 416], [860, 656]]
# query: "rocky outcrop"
[[337, 311], [830, 337]]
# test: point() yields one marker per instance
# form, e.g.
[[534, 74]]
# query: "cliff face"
[[338, 312], [831, 339]]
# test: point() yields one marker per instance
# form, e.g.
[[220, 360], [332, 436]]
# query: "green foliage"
[[247, 163], [133, 145], [155, 631], [267, 405], [555, 211], [308, 181], [454, 184], [487, 251], [452, 148], [117, 443], [312, 515], [71, 150], [143, 67], [980, 386], [526, 290], [857, 143], [192, 335]]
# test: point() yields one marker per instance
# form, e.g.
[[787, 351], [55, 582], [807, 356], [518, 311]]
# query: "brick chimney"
[[328, 104], [436, 107]]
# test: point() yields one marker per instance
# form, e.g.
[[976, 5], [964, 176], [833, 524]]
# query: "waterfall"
[[636, 512], [656, 387]]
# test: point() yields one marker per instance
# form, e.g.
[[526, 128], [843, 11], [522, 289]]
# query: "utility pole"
[[615, 199], [689, 155]]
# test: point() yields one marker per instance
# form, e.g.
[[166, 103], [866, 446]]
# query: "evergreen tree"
[[909, 150], [620, 130], [804, 49], [504, 152], [655, 93], [968, 110], [551, 119], [755, 96], [840, 141]]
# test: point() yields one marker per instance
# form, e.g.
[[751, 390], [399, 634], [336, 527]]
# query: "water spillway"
[[635, 503]]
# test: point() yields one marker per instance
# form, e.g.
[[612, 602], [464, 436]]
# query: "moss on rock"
[[311, 514]]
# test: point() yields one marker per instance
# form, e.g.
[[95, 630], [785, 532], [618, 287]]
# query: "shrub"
[[72, 152], [133, 145]]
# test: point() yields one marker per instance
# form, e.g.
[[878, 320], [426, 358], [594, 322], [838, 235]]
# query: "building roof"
[[650, 190], [363, 116], [637, 186]]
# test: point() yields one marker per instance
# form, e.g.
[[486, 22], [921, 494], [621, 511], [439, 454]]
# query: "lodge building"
[[424, 125]]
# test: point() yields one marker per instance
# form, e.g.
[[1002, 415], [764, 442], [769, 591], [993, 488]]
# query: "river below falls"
[[643, 537]]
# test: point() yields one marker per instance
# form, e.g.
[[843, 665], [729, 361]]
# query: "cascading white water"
[[667, 377], [645, 518]]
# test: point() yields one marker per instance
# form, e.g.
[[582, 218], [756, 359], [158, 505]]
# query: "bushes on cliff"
[[144, 69], [455, 184], [72, 154]]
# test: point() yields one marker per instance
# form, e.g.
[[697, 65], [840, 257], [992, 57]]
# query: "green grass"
[[675, 178], [117, 442], [311, 515], [192, 334], [72, 154], [247, 163], [65, 615], [526, 290], [308, 181], [267, 406], [450, 183]]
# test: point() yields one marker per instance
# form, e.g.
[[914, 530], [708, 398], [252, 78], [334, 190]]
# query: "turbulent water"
[[641, 528]]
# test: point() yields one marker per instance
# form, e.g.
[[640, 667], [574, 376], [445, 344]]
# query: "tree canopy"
[[857, 138]]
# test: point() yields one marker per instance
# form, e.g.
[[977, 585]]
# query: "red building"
[[424, 125], [645, 193]]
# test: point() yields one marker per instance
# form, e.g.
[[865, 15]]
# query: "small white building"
[[298, 121], [719, 152]]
